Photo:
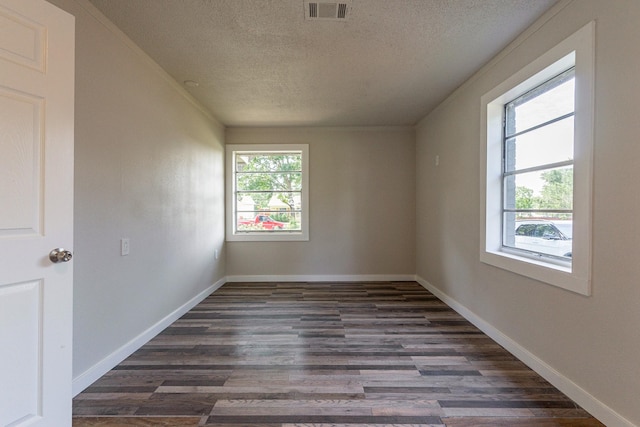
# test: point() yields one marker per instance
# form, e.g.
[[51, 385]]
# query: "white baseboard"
[[579, 395], [92, 374], [325, 278]]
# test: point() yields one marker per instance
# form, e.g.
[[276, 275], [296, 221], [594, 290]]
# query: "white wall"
[[149, 166], [593, 343], [362, 206]]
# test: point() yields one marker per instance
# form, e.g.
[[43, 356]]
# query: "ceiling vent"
[[327, 11]]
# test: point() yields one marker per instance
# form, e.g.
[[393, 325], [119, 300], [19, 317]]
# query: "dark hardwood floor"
[[324, 354]]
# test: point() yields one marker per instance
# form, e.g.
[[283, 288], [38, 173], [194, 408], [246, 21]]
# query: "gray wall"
[[362, 205], [148, 166], [592, 341]]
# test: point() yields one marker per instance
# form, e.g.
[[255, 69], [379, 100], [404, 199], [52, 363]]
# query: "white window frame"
[[577, 50], [231, 234]]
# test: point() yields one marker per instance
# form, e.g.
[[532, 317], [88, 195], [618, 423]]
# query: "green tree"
[[524, 198], [557, 191], [263, 175]]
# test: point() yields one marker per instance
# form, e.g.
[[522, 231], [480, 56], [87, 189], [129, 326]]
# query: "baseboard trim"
[[579, 395], [92, 374], [325, 278]]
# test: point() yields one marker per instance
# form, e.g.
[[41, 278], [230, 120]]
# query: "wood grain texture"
[[136, 422], [294, 354]]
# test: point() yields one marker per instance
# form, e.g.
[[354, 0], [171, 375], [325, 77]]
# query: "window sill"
[[268, 237], [553, 274]]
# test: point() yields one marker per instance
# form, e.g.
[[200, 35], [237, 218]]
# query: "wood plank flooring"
[[324, 354]]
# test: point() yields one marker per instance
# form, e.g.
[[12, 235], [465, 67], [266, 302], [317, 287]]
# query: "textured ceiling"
[[260, 63]]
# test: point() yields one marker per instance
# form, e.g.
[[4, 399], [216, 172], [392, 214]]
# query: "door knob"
[[60, 255]]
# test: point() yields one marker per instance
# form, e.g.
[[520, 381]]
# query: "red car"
[[264, 221]]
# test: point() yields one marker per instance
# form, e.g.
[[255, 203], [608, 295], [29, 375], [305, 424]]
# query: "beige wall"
[[594, 341], [362, 186], [148, 166]]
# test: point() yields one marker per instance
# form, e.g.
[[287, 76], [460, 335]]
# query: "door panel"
[[36, 212], [23, 40], [21, 306], [20, 163]]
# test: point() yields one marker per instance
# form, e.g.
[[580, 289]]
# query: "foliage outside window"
[[536, 167], [268, 194]]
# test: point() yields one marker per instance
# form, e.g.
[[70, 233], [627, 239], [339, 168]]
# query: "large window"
[[267, 192], [538, 170], [536, 177]]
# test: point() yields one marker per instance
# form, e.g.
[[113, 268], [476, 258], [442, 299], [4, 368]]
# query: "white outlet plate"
[[124, 246]]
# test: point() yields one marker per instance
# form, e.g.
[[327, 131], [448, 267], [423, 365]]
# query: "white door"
[[36, 212]]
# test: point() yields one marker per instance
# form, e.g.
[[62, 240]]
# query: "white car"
[[546, 237]]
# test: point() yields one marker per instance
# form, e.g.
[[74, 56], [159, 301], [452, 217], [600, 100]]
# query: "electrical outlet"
[[215, 253], [437, 160], [124, 246]]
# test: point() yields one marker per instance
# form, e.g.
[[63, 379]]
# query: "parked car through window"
[[545, 237]]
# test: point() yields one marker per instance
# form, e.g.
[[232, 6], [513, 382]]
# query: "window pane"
[[261, 221], [549, 144], [254, 181], [531, 221], [268, 211], [268, 190], [547, 234], [549, 189], [268, 162], [547, 102], [268, 201]]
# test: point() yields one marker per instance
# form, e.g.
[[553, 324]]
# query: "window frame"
[[248, 236], [578, 50]]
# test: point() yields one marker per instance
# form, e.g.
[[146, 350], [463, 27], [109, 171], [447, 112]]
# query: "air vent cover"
[[326, 10]]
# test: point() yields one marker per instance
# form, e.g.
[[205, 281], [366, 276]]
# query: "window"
[[267, 192], [537, 170], [536, 158]]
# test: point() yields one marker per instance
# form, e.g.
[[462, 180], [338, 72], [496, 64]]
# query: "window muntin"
[[538, 167], [267, 195]]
